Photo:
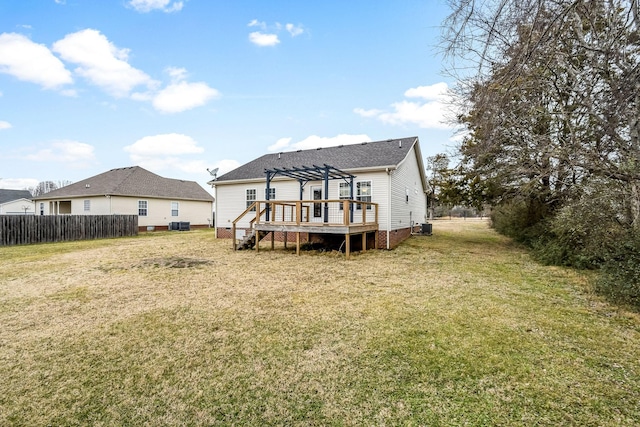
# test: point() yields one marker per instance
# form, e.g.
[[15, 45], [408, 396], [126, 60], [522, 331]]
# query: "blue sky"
[[181, 86]]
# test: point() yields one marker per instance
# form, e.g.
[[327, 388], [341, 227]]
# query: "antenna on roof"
[[214, 172]]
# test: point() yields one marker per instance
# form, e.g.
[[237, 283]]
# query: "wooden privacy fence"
[[26, 229]]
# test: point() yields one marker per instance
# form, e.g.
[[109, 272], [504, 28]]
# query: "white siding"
[[158, 210], [15, 207], [407, 178], [231, 197]]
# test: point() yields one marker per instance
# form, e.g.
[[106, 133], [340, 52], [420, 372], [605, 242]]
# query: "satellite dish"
[[213, 172]]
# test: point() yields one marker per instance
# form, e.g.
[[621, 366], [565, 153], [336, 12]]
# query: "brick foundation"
[[395, 237]]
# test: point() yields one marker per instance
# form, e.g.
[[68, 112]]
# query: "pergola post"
[[268, 193], [326, 193]]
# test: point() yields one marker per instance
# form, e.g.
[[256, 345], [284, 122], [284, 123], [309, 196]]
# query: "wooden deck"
[[341, 217]]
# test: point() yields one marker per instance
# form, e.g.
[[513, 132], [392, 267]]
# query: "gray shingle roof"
[[11, 195], [377, 154], [132, 181]]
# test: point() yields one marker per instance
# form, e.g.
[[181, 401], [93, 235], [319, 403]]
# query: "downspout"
[[389, 208], [215, 211]]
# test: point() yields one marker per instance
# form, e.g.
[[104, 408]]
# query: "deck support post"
[[286, 237], [347, 245], [273, 240], [233, 237], [364, 242], [297, 243]]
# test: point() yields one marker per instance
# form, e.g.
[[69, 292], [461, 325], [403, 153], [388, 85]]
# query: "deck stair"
[[249, 240]]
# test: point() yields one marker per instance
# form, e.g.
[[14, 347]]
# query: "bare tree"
[[44, 187], [551, 94]]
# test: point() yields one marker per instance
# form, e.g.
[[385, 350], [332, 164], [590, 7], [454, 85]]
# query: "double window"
[[142, 207], [345, 192], [271, 195], [363, 193], [251, 197]]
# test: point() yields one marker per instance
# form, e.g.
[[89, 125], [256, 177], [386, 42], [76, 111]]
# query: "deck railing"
[[309, 213]]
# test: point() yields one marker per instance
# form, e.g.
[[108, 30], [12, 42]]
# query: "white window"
[[271, 195], [174, 208], [251, 197], [363, 192], [345, 192], [41, 208], [87, 205], [142, 207]]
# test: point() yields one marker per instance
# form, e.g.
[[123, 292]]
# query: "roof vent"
[[319, 148], [400, 144], [279, 155], [87, 185]]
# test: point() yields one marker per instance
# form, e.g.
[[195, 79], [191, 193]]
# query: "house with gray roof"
[[157, 201], [16, 202], [282, 192]]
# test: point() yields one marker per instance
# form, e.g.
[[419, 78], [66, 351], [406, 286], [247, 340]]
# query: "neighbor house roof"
[[367, 155], [131, 181], [11, 195]]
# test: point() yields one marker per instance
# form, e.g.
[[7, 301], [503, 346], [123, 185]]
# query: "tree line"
[[549, 97]]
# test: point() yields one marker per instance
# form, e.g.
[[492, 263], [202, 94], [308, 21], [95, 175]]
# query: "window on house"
[[142, 207], [363, 192], [41, 208], [271, 195], [345, 192], [87, 205], [174, 208], [251, 197]]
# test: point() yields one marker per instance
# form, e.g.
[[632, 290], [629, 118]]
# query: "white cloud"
[[31, 62], [5, 125], [163, 145], [294, 30], [18, 183], [225, 166], [166, 6], [268, 36], [74, 153], [256, 23], [176, 74], [280, 144], [433, 113], [164, 151], [434, 92], [101, 62], [262, 39], [315, 141], [182, 96]]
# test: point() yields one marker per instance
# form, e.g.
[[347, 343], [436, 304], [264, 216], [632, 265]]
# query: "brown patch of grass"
[[461, 327]]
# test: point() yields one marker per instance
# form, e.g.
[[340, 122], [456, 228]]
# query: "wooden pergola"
[[305, 174]]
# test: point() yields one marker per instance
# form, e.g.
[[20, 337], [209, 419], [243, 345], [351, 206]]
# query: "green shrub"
[[620, 274]]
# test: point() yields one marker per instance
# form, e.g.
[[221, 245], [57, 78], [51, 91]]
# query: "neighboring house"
[[389, 175], [132, 190], [16, 202]]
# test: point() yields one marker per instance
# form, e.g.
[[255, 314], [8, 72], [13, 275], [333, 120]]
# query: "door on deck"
[[316, 194]]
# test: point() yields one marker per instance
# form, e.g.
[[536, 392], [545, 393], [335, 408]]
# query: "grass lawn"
[[174, 328]]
